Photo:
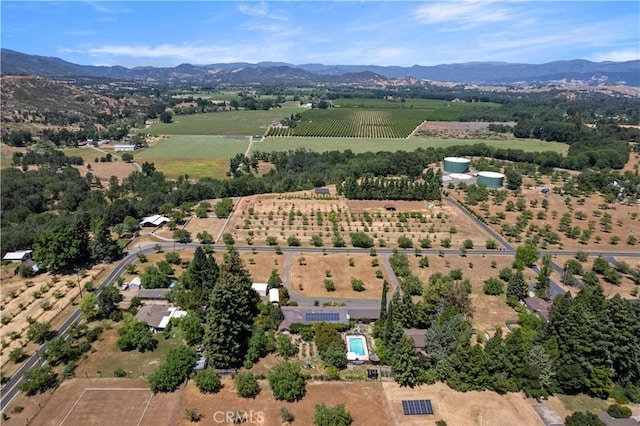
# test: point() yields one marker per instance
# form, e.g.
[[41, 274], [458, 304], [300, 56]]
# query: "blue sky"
[[168, 33]]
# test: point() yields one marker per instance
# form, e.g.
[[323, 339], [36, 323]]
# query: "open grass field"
[[461, 408], [194, 147], [196, 156], [194, 168], [358, 145], [222, 123], [364, 400], [123, 402], [411, 103]]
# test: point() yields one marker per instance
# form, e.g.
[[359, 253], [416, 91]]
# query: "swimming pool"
[[358, 346]]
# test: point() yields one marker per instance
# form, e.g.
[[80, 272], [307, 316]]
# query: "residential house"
[[155, 220], [157, 317]]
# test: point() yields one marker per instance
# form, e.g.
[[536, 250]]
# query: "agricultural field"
[[586, 223], [196, 156], [352, 122], [44, 298], [434, 106], [222, 123], [374, 118], [625, 285], [275, 219], [358, 145]]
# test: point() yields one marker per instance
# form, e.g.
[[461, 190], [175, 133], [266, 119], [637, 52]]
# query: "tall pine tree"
[[232, 307]]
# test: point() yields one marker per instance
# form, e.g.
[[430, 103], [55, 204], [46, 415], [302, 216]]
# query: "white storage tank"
[[491, 179], [456, 164]]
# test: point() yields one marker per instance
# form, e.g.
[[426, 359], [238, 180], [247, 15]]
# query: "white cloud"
[[260, 10], [171, 54], [109, 7], [467, 13], [617, 55]]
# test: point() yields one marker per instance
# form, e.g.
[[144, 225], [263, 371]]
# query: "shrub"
[[246, 385], [493, 287], [619, 411], [192, 414], [329, 285], [119, 372], [357, 285], [208, 381]]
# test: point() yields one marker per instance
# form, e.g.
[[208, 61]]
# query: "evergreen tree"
[[232, 307], [102, 246], [406, 363], [198, 279], [383, 300], [517, 287], [543, 282]]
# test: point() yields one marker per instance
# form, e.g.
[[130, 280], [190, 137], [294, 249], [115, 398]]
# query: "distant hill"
[[490, 73]]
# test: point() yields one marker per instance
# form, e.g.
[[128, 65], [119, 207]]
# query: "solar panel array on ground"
[[417, 406], [322, 316]]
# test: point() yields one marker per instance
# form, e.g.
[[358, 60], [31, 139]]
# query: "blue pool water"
[[356, 345]]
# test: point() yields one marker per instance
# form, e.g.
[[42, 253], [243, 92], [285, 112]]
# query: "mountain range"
[[488, 73]]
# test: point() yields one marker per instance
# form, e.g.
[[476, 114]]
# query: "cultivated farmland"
[[358, 145], [222, 123]]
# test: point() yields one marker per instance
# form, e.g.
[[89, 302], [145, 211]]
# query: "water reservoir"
[[456, 164], [491, 179]]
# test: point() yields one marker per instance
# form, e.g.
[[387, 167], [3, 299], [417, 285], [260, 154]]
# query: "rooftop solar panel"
[[322, 316], [417, 406]]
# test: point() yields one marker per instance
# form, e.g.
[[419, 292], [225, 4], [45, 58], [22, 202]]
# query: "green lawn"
[[222, 123], [363, 145], [196, 147], [583, 402], [433, 104]]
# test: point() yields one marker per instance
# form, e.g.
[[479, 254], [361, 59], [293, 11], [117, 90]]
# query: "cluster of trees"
[[368, 188], [584, 348]]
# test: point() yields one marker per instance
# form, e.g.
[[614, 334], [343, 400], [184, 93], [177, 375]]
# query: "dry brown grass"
[[312, 275], [490, 311], [593, 206], [108, 401], [364, 400], [461, 409], [44, 298]]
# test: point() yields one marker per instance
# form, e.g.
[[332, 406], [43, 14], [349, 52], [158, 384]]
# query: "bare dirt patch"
[[461, 409], [212, 225], [107, 401], [458, 130], [104, 171], [311, 276], [364, 400]]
